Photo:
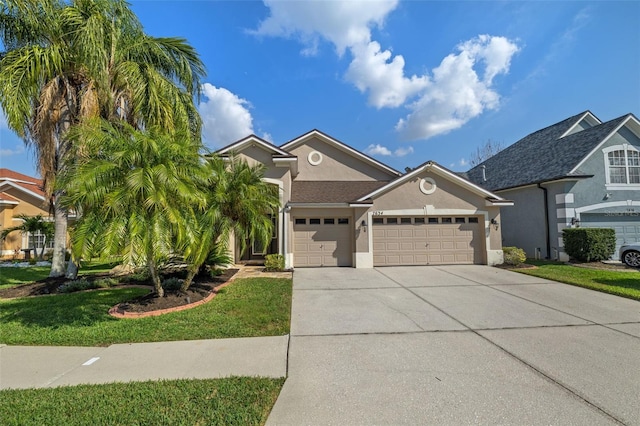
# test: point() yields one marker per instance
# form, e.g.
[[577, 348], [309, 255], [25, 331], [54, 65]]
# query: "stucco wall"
[[335, 165], [523, 224]]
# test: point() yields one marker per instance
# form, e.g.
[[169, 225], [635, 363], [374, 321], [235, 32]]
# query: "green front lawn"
[[246, 308], [10, 277], [235, 400], [625, 284]]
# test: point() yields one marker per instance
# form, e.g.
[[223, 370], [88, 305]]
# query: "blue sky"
[[405, 82]]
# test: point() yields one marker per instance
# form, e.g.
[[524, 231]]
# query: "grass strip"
[[247, 308], [625, 284], [234, 400]]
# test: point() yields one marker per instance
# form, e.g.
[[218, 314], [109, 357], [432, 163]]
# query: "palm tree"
[[239, 203], [68, 62], [136, 190], [32, 225]]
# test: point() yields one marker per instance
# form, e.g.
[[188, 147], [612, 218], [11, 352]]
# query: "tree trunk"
[[155, 277], [59, 241], [191, 272]]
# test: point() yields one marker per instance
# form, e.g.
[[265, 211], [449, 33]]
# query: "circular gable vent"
[[314, 158], [427, 186]]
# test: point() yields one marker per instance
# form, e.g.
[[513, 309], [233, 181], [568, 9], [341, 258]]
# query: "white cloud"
[[378, 149], [343, 23], [267, 137], [401, 152], [457, 93], [376, 71], [459, 89], [225, 116], [19, 149]]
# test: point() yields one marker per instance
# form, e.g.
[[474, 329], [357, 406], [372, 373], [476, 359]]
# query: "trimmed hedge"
[[589, 244], [514, 256]]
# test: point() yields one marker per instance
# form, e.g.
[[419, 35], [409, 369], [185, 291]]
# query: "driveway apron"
[[457, 345]]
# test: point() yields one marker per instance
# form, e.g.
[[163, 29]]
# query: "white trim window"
[[622, 166], [36, 240]]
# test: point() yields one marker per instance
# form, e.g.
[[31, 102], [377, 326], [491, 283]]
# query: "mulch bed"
[[201, 287]]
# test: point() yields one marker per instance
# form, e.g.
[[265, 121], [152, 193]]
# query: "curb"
[[117, 313]]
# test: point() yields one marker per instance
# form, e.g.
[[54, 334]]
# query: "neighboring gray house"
[[578, 172]]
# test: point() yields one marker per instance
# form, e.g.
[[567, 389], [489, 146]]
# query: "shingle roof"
[[542, 155], [331, 191]]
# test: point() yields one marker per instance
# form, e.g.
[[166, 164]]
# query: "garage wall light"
[[495, 223], [363, 225]]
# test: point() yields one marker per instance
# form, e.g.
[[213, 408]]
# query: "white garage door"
[[426, 241], [322, 241], [627, 227]]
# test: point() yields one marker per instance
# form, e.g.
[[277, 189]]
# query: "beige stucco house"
[[20, 194], [340, 207]]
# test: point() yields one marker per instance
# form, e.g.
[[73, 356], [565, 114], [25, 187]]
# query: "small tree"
[[484, 152], [136, 193], [238, 203]]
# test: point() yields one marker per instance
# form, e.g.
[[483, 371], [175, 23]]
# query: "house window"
[[343, 221], [459, 219], [378, 220], [314, 221], [37, 240], [433, 220], [622, 164], [405, 220], [329, 221], [446, 220], [301, 221], [473, 220], [392, 220], [418, 220]]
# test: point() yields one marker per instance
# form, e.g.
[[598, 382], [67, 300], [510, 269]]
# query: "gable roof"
[[24, 183], [441, 171], [253, 140], [341, 146], [544, 155]]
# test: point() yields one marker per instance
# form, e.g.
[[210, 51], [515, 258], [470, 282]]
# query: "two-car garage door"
[[427, 241]]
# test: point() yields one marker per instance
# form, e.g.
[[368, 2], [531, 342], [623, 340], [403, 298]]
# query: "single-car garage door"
[[627, 226], [426, 241], [322, 241]]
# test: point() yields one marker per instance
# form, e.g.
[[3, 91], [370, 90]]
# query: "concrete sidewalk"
[[41, 367]]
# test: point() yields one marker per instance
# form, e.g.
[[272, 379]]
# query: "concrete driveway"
[[457, 345]]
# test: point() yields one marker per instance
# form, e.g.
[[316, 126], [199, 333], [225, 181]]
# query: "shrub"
[[514, 255], [76, 285], [589, 244], [274, 262], [105, 282], [216, 272], [172, 284], [33, 261]]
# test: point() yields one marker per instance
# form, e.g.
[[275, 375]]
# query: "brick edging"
[[115, 312]]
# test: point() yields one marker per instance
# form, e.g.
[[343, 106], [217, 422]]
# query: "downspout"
[[546, 221], [285, 224]]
